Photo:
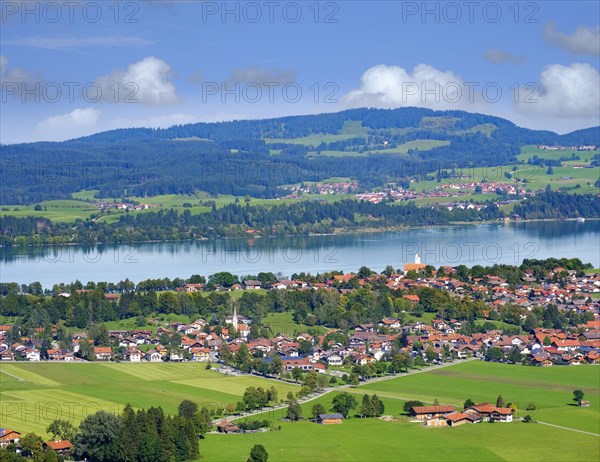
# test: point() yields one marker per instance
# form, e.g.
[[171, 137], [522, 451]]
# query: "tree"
[[296, 374], [494, 354], [550, 171], [364, 272], [187, 409], [317, 410], [402, 361], [203, 421], [468, 403], [365, 407], [500, 401], [97, 437], [294, 411], [578, 396], [32, 446], [50, 455], [515, 355], [225, 354], [63, 429], [343, 403], [378, 406], [273, 396], [430, 354], [410, 404], [258, 454], [276, 366]]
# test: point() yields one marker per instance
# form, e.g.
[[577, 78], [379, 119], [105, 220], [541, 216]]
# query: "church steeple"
[[417, 259], [235, 318]]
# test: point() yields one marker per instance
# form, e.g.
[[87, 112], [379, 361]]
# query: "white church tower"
[[234, 321], [417, 259]]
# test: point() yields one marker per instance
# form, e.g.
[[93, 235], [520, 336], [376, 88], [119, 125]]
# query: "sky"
[[73, 68]]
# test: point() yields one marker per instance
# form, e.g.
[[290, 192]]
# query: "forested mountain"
[[238, 157]]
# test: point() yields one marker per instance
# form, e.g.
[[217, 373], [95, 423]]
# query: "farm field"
[[283, 323], [550, 388], [60, 211], [50, 391], [374, 439]]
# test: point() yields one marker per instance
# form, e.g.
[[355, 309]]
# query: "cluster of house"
[[12, 437], [590, 147], [368, 343], [126, 206], [336, 187], [486, 188], [447, 416]]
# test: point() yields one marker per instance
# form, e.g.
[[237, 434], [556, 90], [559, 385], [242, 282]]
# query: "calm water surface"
[[485, 244]]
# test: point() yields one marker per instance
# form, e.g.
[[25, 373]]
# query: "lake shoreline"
[[337, 232]]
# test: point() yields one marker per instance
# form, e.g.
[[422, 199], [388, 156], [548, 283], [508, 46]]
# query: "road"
[[567, 428]]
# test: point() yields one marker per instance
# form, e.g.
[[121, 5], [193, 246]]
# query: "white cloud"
[[146, 82], [564, 92], [58, 43], [78, 122], [15, 74], [496, 56], [392, 86], [584, 41]]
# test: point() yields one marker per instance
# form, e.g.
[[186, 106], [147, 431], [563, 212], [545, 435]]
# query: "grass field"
[[60, 211], [72, 391], [550, 388], [373, 439], [312, 140], [527, 152], [283, 323], [422, 145]]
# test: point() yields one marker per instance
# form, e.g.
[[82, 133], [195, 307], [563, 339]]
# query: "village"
[[335, 351]]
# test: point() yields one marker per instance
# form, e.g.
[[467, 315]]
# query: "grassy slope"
[[372, 439], [72, 391], [550, 388]]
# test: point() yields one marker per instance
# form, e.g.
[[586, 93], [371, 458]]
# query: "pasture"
[[549, 388], [359, 439], [50, 391]]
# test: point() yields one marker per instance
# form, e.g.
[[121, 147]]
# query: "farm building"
[[62, 447], [8, 436], [225, 426], [429, 412], [327, 419]]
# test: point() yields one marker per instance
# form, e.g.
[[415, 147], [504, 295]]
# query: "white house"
[[335, 360], [32, 355], [153, 356]]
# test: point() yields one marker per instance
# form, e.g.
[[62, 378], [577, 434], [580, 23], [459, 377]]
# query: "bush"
[[410, 404], [527, 419], [253, 424]]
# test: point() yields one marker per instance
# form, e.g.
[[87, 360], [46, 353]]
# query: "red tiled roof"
[[439, 409], [59, 445]]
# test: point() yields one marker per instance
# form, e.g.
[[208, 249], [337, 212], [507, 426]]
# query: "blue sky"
[[71, 69]]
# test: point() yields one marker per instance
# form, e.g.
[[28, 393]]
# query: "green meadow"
[[53, 390], [549, 388], [49, 391], [359, 439], [60, 211]]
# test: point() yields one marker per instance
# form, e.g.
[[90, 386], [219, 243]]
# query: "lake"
[[484, 244]]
